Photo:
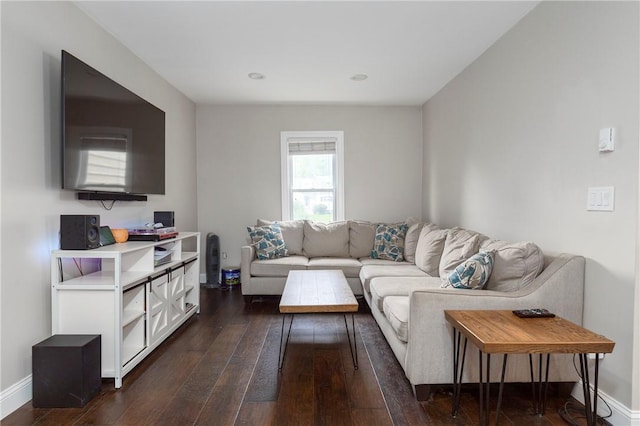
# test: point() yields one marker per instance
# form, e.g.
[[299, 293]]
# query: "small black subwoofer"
[[79, 231]]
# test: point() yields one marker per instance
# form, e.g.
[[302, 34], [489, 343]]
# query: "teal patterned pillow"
[[472, 274], [388, 243], [268, 241]]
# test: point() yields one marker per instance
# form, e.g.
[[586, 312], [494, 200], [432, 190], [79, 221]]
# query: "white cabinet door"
[[159, 321], [176, 295]]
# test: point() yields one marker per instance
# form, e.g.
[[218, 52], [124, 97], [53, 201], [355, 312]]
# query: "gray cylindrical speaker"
[[213, 260]]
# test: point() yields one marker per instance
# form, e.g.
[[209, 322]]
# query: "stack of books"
[[161, 256]]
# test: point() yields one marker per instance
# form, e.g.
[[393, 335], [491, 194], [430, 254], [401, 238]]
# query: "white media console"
[[131, 303]]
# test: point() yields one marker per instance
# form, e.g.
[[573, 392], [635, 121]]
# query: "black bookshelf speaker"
[[79, 231], [165, 218], [213, 258]]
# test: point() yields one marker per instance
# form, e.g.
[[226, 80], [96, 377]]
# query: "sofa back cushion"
[[411, 241], [429, 249], [515, 264], [459, 245], [326, 239], [292, 233], [361, 234]]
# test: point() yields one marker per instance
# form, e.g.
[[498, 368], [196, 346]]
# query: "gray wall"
[[33, 33], [239, 164], [511, 148]]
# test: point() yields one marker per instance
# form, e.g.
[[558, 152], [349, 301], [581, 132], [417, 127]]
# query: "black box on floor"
[[66, 370]]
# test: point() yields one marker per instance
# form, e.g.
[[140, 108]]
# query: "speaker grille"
[[79, 232]]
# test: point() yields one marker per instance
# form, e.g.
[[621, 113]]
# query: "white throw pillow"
[[460, 245]]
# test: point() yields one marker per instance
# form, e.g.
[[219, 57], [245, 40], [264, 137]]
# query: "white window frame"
[[297, 136]]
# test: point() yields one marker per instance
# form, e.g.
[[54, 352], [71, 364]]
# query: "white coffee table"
[[317, 291]]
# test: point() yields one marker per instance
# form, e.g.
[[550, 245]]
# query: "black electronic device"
[[533, 313], [212, 259], [165, 218], [66, 370], [113, 141], [79, 231]]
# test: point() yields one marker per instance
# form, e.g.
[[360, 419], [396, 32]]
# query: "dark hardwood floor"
[[220, 368]]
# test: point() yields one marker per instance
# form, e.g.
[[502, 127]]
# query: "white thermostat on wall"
[[607, 138]]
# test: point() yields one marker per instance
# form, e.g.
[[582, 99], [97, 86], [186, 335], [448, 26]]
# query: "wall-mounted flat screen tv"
[[112, 140]]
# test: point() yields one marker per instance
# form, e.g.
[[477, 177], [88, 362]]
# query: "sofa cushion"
[[381, 287], [472, 274], [393, 269], [268, 241], [515, 264], [411, 241], [459, 245], [279, 267], [396, 310], [326, 239], [292, 233], [429, 249], [388, 243], [350, 267], [361, 234]]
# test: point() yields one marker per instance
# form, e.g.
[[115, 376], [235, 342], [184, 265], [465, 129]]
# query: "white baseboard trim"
[[620, 414], [15, 396]]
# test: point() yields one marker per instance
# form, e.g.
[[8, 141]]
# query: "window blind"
[[311, 147]]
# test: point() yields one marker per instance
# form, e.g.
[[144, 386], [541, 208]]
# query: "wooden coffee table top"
[[503, 332], [311, 291]]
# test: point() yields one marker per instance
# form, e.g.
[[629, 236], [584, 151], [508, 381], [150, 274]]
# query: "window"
[[312, 174]]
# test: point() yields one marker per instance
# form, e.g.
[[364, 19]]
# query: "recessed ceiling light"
[[256, 76], [359, 77]]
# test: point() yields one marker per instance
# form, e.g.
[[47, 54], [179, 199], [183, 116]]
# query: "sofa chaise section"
[[411, 317]]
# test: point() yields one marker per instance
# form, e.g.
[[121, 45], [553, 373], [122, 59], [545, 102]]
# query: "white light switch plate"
[[600, 198]]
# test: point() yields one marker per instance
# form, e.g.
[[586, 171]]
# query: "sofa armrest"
[[247, 254], [559, 289]]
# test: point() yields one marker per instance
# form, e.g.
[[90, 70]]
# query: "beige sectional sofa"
[[407, 298]]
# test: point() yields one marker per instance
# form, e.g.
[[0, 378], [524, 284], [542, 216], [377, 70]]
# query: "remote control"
[[533, 313]]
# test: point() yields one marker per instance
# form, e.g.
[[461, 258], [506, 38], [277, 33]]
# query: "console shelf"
[[133, 304]]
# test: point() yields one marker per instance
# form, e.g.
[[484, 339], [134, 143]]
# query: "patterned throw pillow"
[[268, 241], [472, 274], [388, 243]]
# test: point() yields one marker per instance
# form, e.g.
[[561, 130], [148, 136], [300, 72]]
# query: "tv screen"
[[112, 140]]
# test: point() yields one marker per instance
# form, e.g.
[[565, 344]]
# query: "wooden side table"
[[502, 332]]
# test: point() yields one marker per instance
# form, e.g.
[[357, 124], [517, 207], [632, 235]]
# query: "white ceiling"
[[308, 50]]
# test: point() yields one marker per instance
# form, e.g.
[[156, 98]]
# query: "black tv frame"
[[96, 194]]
